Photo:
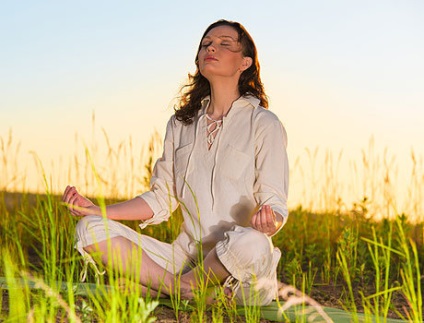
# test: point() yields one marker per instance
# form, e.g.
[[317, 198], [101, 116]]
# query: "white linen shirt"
[[250, 169]]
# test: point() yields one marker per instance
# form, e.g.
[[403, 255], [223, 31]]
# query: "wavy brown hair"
[[198, 86]]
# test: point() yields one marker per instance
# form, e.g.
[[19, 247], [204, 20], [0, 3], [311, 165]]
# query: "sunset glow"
[[345, 77]]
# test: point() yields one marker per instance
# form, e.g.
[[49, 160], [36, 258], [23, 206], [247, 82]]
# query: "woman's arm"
[[272, 174], [134, 209]]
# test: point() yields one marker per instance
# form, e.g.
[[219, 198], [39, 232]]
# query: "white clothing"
[[246, 167], [218, 189], [253, 277]]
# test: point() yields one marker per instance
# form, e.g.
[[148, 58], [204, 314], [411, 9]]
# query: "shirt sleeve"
[[162, 195], [271, 165]]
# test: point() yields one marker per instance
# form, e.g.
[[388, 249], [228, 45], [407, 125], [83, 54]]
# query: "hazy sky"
[[337, 72]]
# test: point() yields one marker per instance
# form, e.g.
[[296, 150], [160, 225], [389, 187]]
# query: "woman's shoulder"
[[258, 110], [266, 121], [179, 129], [174, 123], [264, 115]]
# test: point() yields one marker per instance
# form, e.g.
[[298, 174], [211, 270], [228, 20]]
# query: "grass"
[[367, 259]]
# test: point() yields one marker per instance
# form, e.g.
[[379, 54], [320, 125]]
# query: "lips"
[[209, 58]]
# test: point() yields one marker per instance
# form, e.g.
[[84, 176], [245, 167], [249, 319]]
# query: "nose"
[[210, 48]]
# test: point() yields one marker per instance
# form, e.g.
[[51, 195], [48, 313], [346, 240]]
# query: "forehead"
[[222, 32]]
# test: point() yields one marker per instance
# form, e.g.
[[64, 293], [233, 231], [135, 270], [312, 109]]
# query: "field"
[[366, 258]]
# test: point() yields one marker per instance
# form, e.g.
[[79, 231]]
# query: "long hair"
[[198, 86]]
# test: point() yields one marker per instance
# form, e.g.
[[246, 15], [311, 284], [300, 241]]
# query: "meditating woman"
[[225, 164]]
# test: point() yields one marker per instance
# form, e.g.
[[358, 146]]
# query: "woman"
[[225, 163]]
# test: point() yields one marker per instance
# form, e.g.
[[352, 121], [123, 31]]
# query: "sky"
[[339, 74]]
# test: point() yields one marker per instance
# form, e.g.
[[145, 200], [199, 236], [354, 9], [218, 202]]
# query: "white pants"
[[246, 253]]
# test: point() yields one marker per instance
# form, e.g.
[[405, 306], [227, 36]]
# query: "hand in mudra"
[[266, 220], [77, 204]]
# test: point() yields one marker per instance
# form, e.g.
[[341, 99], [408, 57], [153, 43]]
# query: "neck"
[[222, 98]]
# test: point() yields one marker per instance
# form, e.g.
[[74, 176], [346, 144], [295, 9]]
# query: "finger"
[[269, 218], [74, 209], [262, 220], [257, 221], [68, 200], [69, 194], [70, 204], [73, 200], [266, 218], [264, 223], [75, 212], [65, 193], [274, 223]]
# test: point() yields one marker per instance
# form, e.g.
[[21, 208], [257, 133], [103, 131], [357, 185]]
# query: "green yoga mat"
[[271, 312], [305, 313]]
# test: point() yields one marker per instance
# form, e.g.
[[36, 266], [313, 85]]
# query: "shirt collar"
[[240, 102]]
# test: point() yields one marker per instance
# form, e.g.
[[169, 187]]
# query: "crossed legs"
[[243, 253], [124, 257]]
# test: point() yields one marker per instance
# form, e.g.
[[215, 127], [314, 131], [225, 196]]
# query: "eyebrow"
[[222, 37]]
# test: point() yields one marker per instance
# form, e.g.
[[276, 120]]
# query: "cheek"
[[200, 65], [201, 52], [236, 62]]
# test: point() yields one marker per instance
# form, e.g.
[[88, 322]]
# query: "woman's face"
[[221, 54]]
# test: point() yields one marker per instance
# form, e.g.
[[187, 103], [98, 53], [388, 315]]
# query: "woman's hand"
[[266, 220], [77, 204]]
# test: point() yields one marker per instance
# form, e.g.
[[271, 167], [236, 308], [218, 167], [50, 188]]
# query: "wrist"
[[94, 210]]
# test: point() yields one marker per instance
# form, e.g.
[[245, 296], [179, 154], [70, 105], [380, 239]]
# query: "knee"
[[87, 224], [245, 250], [249, 240]]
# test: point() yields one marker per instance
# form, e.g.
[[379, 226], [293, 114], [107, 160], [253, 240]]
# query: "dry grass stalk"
[[292, 297]]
